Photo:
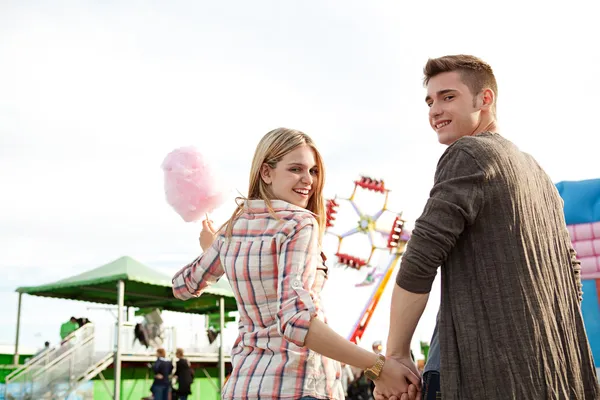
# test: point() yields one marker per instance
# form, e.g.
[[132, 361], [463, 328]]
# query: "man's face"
[[453, 109]]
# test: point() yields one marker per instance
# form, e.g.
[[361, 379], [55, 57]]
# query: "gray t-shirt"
[[433, 357]]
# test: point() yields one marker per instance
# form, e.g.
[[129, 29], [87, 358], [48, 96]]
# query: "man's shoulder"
[[467, 148], [474, 153], [480, 142], [492, 152], [486, 147]]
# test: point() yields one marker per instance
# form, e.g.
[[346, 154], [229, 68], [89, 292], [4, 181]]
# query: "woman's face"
[[294, 177]]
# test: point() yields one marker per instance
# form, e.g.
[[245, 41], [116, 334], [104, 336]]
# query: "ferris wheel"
[[367, 225], [375, 236]]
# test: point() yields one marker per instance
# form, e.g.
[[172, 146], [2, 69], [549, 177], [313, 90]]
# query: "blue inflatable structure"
[[582, 214]]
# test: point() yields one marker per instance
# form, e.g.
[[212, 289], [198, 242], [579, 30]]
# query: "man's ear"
[[487, 99], [265, 174]]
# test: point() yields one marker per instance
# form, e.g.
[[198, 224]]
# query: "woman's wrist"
[[370, 360]]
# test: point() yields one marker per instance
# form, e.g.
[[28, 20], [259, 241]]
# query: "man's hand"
[[395, 379], [409, 363], [159, 376]]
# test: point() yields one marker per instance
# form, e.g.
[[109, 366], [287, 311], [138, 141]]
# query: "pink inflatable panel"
[[586, 241], [590, 267], [584, 231], [587, 248]]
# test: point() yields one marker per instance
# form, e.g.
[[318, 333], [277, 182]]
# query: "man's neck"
[[489, 126]]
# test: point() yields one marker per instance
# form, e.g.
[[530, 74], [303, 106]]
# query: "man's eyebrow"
[[439, 93]]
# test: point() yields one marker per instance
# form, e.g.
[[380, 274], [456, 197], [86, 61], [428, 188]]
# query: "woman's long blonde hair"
[[270, 150]]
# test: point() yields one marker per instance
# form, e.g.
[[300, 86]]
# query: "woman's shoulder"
[[281, 211], [259, 220], [301, 219]]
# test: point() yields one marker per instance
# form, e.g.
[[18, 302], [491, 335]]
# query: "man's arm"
[[405, 311], [453, 205]]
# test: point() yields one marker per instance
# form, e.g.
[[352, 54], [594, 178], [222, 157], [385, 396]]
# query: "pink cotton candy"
[[191, 187]]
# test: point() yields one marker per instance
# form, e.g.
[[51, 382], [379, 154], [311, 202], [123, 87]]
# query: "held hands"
[[399, 380], [207, 235], [413, 394], [409, 363]]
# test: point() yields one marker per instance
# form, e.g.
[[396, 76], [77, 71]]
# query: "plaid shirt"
[[277, 272]]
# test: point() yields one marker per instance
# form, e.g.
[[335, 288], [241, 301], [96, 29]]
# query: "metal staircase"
[[57, 372]]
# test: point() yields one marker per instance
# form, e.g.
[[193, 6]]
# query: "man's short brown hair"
[[475, 73]]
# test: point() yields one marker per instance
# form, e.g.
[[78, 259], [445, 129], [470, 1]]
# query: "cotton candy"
[[191, 187]]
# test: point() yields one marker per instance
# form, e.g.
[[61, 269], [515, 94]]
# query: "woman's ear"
[[265, 174]]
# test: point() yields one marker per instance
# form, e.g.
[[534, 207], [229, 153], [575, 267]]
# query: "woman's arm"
[[395, 377], [325, 341], [195, 277], [297, 314]]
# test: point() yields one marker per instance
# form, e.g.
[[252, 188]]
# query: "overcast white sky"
[[93, 95]]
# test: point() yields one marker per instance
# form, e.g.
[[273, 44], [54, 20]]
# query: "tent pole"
[[16, 356], [221, 341], [117, 370]]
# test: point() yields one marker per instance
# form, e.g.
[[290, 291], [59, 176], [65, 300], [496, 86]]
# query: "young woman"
[[161, 386], [270, 250]]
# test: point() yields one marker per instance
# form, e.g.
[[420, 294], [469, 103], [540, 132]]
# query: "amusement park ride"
[[394, 241]]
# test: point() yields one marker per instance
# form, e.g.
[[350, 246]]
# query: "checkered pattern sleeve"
[[297, 268], [195, 277]]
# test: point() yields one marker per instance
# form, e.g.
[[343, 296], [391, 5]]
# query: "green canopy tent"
[[132, 284]]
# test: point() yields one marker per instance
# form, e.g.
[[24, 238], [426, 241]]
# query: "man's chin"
[[446, 138], [442, 138]]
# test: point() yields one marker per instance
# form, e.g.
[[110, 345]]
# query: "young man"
[[510, 325]]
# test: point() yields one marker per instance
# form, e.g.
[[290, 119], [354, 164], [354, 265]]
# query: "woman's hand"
[[396, 378], [413, 394], [207, 235]]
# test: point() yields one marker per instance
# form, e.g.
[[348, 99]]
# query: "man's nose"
[[435, 111]]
